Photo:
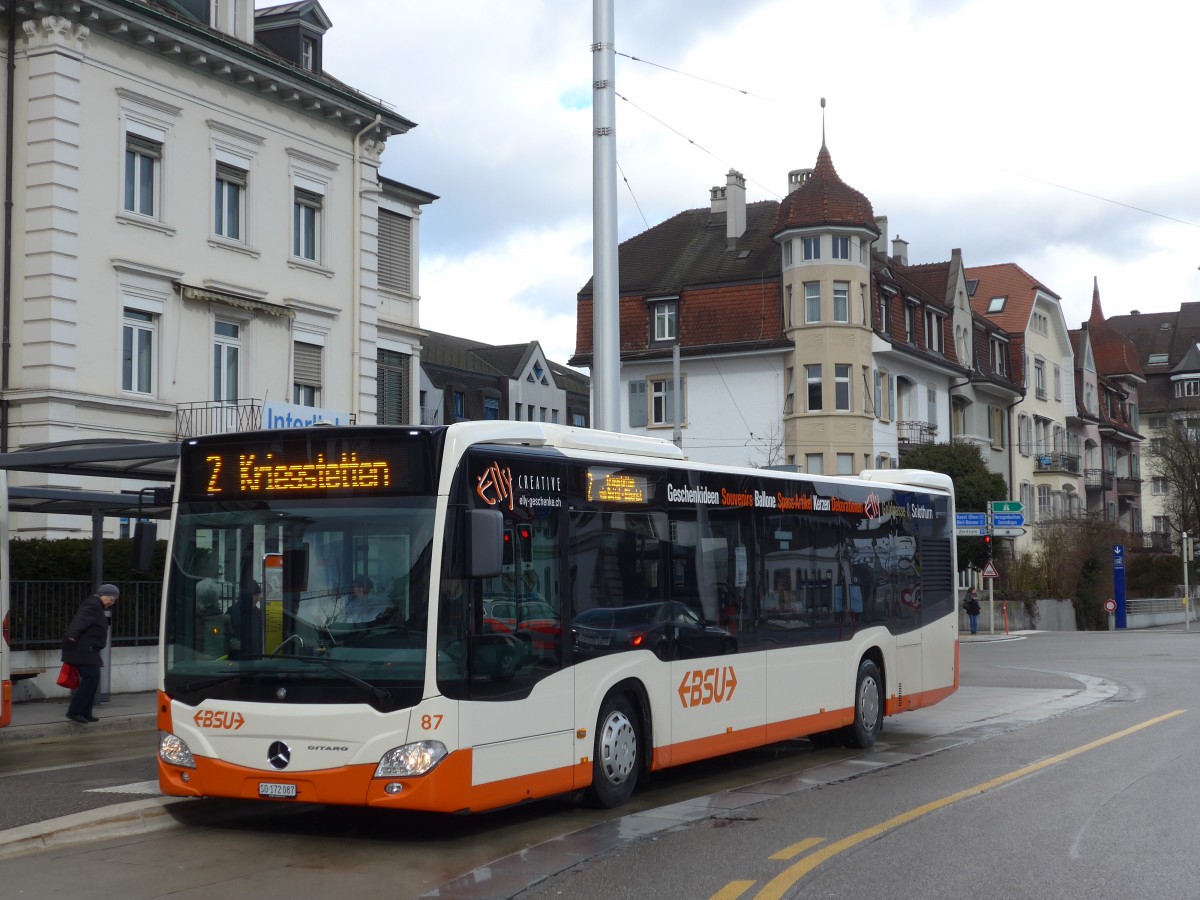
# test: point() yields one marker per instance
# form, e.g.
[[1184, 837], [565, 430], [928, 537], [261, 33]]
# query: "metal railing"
[[41, 611], [216, 417], [1098, 479], [1129, 486], [916, 432], [1056, 462]]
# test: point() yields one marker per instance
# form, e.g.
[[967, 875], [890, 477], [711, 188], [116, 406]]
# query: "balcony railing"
[[916, 432], [1162, 541], [216, 417], [1129, 487], [1099, 479], [1056, 462]]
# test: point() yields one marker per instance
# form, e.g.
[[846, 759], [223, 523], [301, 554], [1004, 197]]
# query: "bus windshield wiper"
[[376, 693], [192, 686]]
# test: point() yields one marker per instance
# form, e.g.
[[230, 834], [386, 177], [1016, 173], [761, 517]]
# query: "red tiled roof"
[[824, 199], [1011, 281], [1115, 354]]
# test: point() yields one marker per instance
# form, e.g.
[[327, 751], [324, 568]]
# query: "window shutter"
[[393, 386], [307, 365], [637, 404], [395, 252]]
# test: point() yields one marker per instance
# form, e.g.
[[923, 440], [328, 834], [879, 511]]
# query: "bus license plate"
[[270, 789]]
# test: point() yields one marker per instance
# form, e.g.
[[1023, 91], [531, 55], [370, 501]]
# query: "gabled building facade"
[[466, 380], [1168, 353], [196, 227], [1046, 467]]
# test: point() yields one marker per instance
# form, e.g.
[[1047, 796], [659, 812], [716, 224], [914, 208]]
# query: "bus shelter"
[[116, 460]]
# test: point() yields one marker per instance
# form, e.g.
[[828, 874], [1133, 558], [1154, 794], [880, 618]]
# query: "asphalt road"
[[732, 827]]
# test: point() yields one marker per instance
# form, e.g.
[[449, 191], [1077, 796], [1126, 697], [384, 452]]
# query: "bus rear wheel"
[[868, 707], [616, 754]]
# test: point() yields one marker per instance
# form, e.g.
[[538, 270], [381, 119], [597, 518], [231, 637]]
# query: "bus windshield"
[[304, 602]]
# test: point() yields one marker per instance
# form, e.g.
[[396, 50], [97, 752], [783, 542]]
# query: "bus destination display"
[[298, 469], [616, 486]]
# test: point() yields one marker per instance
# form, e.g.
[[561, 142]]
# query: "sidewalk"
[[40, 720]]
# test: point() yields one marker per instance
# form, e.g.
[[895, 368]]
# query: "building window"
[[137, 351], [393, 380], [934, 335], [878, 394], [662, 406], [841, 388], [787, 254], [788, 312], [306, 225], [845, 463], [637, 404], [998, 352], [579, 420], [306, 374], [395, 252], [910, 328], [789, 391], [1158, 485], [814, 463], [1188, 388], [143, 167], [1045, 503], [229, 215], [812, 375], [459, 399], [812, 302], [226, 359], [491, 408], [885, 321], [1057, 383], [1039, 378], [308, 54], [812, 247], [841, 247], [665, 321], [841, 301], [996, 304]]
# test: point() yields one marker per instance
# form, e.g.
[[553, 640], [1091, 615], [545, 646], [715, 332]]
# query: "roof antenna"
[[822, 121]]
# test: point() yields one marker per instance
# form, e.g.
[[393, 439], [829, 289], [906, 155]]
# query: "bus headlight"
[[411, 759], [174, 751]]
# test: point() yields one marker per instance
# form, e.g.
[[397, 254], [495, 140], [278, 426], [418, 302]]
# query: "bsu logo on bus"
[[703, 686]]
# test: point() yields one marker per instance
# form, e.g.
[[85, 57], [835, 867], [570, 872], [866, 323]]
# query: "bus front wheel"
[[868, 706], [615, 758]]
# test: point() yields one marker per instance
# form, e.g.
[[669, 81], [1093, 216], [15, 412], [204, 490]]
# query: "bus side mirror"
[[485, 543], [145, 534]]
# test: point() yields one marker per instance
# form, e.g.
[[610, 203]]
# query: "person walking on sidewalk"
[[86, 636], [971, 607]]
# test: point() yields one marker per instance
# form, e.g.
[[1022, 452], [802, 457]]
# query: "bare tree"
[[1176, 458], [770, 447]]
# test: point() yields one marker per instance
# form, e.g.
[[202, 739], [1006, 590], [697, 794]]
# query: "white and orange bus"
[[467, 617]]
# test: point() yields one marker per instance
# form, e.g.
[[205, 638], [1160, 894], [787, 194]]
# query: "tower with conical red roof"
[[825, 230]]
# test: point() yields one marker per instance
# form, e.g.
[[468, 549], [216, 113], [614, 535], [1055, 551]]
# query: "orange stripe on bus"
[[5, 702]]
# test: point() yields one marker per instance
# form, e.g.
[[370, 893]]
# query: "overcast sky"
[[1057, 135]]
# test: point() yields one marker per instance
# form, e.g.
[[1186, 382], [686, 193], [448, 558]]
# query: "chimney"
[[797, 178], [716, 196], [881, 241], [900, 250], [735, 207]]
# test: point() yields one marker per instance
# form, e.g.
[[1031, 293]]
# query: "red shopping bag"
[[68, 676]]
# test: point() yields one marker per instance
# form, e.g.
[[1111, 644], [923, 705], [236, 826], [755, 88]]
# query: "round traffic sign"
[[1110, 605]]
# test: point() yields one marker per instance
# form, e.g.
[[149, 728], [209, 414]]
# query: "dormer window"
[[308, 54], [666, 320], [996, 304]]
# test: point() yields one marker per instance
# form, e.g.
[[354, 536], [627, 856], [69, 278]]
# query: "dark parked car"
[[669, 630]]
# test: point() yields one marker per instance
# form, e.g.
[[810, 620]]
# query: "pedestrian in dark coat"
[[86, 636]]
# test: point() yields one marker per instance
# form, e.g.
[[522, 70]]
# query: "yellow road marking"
[[796, 849], [778, 885], [733, 890]]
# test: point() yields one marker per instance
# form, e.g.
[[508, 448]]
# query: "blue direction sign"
[[970, 520], [1008, 520]]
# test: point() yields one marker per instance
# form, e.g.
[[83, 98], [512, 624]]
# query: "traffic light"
[[987, 546]]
